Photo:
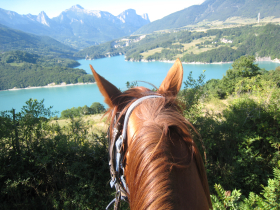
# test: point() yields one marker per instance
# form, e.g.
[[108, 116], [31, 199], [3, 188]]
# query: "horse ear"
[[173, 81], [107, 89]]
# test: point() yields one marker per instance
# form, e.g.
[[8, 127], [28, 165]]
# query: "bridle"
[[116, 154]]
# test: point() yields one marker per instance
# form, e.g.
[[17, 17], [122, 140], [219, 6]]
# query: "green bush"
[[95, 108], [51, 167], [242, 140], [269, 198]]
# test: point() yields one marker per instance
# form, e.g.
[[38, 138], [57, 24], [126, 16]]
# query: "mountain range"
[[213, 10], [80, 28], [12, 40], [76, 26]]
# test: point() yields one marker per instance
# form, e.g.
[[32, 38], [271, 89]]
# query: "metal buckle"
[[113, 182], [119, 143]]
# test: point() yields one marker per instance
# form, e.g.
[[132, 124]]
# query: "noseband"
[[116, 155]]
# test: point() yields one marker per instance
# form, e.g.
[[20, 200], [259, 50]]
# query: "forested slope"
[[21, 69], [255, 41], [11, 39], [213, 45]]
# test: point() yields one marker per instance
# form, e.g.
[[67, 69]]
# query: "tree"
[[36, 109], [131, 85], [97, 108], [32, 116], [85, 110], [245, 67], [193, 89]]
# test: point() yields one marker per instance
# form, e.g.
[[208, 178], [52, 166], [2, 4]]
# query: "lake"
[[117, 71]]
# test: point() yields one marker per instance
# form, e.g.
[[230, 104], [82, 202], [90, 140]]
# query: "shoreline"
[[276, 60], [172, 61], [51, 85], [194, 62]]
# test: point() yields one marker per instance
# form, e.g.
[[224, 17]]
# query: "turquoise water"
[[117, 71]]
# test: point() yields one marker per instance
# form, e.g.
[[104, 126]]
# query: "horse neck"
[[189, 181]]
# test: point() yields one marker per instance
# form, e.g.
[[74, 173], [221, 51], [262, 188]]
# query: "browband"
[[131, 108]]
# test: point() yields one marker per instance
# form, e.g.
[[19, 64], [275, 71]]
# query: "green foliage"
[[269, 198], [73, 112], [242, 140], [222, 54], [225, 199], [100, 51], [166, 54], [241, 78], [193, 89], [242, 147], [56, 168], [35, 109], [19, 57], [243, 67], [131, 85], [271, 193], [95, 108]]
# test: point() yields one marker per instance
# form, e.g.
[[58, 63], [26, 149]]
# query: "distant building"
[[226, 41]]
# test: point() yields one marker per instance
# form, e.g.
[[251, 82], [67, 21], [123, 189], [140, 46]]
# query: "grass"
[[151, 52], [192, 48], [215, 105], [94, 123], [16, 64], [189, 47], [244, 21]]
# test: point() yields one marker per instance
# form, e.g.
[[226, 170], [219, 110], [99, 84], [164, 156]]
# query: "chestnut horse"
[[162, 166]]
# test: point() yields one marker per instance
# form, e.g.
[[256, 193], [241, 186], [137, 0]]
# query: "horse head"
[[156, 163]]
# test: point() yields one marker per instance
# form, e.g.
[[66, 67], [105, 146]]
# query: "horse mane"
[[149, 170]]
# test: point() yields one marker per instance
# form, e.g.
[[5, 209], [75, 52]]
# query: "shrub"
[[269, 198], [53, 167]]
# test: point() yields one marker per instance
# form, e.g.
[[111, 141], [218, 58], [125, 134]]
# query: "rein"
[[116, 155]]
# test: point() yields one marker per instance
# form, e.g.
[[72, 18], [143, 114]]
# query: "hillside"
[[11, 39], [212, 45], [21, 69], [76, 26], [214, 10]]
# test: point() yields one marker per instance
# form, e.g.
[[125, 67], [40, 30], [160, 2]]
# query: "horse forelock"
[[150, 161]]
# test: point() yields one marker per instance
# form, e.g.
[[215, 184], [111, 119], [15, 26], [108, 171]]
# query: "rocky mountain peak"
[[76, 7], [130, 16], [43, 18], [146, 16]]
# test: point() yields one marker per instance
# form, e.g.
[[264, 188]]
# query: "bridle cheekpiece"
[[116, 154]]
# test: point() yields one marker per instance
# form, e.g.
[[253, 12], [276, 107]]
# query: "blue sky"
[[156, 9]]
